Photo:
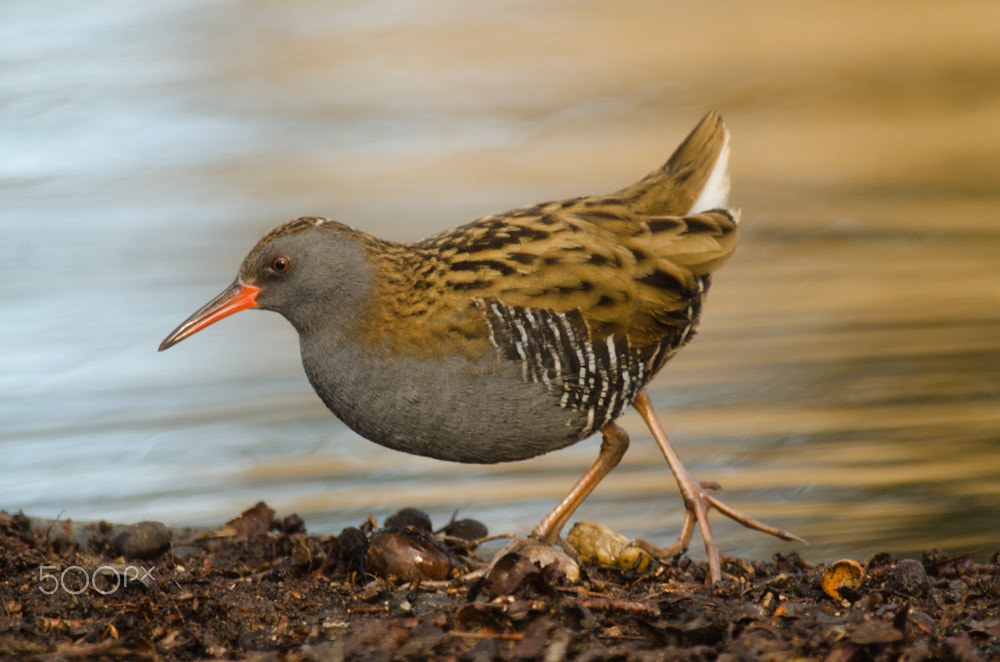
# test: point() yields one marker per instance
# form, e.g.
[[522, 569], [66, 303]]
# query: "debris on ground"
[[261, 588]]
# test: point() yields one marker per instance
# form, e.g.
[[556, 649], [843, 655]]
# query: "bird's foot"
[[697, 502]]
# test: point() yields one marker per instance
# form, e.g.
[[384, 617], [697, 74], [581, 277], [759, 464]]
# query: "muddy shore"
[[262, 588]]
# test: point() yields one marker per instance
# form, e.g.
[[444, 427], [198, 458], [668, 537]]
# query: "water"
[[845, 384]]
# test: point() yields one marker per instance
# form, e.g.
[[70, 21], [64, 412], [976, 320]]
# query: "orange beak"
[[233, 299]]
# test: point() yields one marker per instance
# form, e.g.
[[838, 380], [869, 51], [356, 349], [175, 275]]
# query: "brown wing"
[[626, 276], [633, 262]]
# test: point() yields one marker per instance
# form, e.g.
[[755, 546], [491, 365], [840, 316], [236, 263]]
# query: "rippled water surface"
[[846, 382]]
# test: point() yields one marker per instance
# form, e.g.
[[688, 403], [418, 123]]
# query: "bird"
[[513, 335]]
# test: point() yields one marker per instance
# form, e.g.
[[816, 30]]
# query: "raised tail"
[[694, 179]]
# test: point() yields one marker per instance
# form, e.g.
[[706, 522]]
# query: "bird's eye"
[[280, 265]]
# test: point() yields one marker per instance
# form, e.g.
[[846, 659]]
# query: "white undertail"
[[715, 194]]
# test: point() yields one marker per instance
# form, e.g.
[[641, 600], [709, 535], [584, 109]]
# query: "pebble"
[[909, 577], [350, 548], [414, 517], [143, 540], [407, 555], [466, 529]]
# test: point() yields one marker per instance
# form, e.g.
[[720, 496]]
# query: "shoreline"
[[262, 588]]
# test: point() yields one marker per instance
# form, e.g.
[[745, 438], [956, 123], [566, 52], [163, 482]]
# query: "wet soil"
[[262, 588]]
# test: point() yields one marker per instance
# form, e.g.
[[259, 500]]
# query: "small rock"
[[414, 517], [466, 529], [349, 548], [408, 555], [909, 578], [143, 540]]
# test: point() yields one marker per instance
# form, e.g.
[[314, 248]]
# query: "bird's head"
[[308, 269]]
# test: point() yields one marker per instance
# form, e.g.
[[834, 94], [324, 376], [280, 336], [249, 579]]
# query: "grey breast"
[[448, 408]]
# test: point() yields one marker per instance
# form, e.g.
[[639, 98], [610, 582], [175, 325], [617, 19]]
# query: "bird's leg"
[[696, 500], [613, 447]]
